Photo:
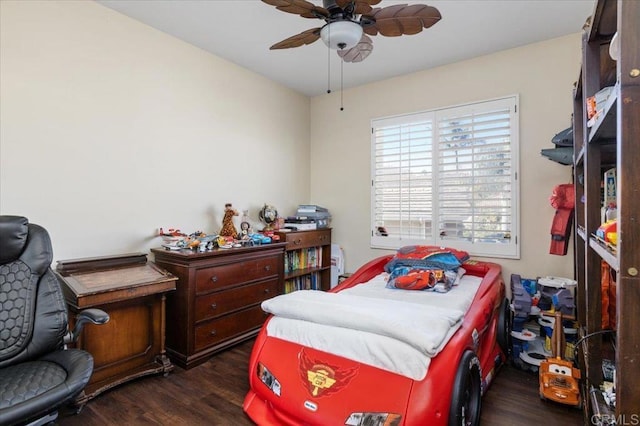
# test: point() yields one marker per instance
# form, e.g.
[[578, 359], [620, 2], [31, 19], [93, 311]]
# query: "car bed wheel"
[[505, 325], [467, 392]]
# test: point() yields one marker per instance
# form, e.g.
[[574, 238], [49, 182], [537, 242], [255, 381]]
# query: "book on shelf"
[[303, 259], [304, 282]]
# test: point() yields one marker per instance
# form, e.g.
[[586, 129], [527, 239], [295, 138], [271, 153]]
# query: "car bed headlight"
[[373, 419]]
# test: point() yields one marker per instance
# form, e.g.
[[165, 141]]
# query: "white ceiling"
[[242, 31]]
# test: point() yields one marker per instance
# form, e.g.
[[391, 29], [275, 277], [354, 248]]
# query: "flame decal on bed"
[[321, 378]]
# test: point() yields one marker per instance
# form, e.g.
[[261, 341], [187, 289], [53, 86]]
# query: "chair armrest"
[[93, 316]]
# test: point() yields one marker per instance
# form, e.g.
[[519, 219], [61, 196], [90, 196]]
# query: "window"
[[448, 177]]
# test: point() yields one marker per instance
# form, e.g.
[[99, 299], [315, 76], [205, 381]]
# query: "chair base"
[[49, 418]]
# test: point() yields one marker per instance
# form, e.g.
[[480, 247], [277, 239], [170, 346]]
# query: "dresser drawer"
[[216, 331], [296, 240], [219, 303], [218, 277]]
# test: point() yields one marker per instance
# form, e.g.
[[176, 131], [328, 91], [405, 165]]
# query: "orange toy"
[[558, 377]]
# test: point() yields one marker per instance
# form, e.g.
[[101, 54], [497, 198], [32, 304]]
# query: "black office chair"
[[38, 374]]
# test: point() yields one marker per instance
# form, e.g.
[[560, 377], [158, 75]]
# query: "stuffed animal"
[[228, 228]]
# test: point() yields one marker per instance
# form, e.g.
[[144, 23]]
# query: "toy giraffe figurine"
[[228, 228]]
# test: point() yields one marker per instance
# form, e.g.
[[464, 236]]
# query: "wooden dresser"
[[132, 291], [217, 300]]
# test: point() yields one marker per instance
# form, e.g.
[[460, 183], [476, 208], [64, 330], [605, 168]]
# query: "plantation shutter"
[[475, 192], [403, 181], [447, 177]]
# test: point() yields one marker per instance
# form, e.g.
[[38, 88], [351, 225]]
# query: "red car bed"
[[366, 354]]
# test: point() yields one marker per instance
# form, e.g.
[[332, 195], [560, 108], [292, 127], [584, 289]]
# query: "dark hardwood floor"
[[212, 394]]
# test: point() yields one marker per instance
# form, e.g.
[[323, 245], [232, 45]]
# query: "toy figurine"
[[228, 228], [245, 226]]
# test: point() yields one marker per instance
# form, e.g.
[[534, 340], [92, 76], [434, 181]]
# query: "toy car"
[[559, 381], [260, 239]]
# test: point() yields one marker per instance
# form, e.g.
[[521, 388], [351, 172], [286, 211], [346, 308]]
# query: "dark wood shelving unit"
[[304, 271], [603, 130], [605, 253], [613, 140]]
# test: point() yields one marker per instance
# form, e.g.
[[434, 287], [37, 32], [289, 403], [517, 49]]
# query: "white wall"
[[542, 74], [110, 129]]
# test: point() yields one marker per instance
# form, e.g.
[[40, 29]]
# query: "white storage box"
[[337, 264]]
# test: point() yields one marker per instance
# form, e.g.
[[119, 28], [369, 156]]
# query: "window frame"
[[507, 250]]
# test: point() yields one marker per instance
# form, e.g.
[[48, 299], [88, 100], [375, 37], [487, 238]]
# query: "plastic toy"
[[607, 230], [259, 238], [558, 377]]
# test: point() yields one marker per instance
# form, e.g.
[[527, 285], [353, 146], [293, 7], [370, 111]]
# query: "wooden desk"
[[132, 291]]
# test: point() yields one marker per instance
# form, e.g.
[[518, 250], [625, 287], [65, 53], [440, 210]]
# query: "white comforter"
[[396, 330]]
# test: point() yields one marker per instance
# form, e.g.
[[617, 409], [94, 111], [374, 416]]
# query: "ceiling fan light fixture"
[[341, 34]]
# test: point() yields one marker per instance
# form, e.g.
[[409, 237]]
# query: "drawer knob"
[[298, 241], [266, 290], [214, 306], [267, 268], [213, 332], [214, 278]]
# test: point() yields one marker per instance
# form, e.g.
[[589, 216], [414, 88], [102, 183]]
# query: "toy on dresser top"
[[228, 237], [174, 239]]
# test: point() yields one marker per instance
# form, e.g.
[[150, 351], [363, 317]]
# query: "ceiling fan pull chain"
[[329, 66], [341, 83]]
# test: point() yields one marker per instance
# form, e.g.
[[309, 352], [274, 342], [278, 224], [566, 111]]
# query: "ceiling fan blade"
[[360, 7], [396, 20], [299, 7], [359, 52], [305, 37]]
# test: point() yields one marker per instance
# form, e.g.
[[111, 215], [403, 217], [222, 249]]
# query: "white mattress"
[[395, 330]]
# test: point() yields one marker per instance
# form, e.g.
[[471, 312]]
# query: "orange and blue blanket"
[[425, 268]]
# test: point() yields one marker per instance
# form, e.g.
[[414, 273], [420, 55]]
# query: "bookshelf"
[[609, 140], [307, 260]]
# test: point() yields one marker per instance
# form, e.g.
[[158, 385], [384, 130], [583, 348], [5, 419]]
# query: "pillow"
[[427, 257]]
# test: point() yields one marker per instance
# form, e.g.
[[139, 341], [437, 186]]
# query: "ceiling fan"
[[348, 22]]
